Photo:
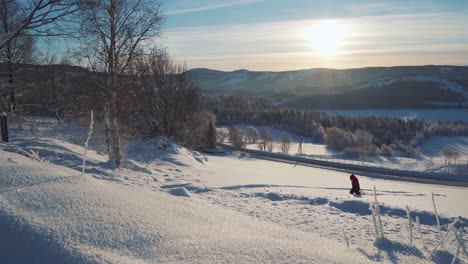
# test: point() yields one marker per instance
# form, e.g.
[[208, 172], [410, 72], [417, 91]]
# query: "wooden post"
[[3, 118], [299, 151]]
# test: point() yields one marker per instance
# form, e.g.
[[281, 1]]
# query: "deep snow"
[[49, 214], [174, 205]]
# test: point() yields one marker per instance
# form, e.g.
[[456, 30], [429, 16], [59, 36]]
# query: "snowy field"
[[426, 114], [430, 159], [172, 205]]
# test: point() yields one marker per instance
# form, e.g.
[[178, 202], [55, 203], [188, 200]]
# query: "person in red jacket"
[[356, 189]]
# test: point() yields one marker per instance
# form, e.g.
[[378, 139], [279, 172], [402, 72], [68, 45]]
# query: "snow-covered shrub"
[[386, 150], [270, 145], [450, 154], [409, 151], [338, 138], [285, 143], [319, 135], [418, 139], [236, 137], [221, 135], [266, 140], [363, 139], [351, 152], [252, 134], [373, 150]]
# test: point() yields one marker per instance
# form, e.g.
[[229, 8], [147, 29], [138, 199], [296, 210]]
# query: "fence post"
[[3, 119]]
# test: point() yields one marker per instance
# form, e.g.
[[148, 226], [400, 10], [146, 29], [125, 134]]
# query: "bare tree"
[[167, 100], [175, 97], [38, 18], [450, 154], [194, 134], [386, 150], [221, 135], [265, 139], [62, 99], [285, 143], [236, 137], [17, 50], [270, 144], [252, 134], [363, 140], [114, 33]]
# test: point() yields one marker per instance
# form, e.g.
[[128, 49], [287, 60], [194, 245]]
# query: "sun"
[[327, 38]]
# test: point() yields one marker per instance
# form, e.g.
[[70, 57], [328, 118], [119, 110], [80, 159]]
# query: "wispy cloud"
[[431, 38], [212, 7]]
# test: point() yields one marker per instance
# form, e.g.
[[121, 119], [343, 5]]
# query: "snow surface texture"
[[49, 214], [185, 208]]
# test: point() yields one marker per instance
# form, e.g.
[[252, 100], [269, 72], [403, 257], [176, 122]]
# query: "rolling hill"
[[377, 87]]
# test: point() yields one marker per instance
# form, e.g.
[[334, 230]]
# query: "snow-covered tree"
[[285, 143], [114, 33], [236, 137], [252, 134], [211, 135]]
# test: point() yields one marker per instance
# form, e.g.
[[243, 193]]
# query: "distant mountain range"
[[363, 88], [376, 87]]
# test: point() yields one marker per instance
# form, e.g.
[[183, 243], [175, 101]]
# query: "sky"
[[281, 35]]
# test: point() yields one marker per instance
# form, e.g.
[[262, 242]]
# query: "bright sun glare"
[[327, 38]]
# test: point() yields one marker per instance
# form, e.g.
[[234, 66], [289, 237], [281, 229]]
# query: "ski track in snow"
[[173, 205]]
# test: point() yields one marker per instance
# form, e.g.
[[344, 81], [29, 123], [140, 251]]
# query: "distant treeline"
[[385, 130], [404, 94]]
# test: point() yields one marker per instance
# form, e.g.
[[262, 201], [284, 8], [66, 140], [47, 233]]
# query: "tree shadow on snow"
[[426, 218], [443, 256], [276, 197], [391, 250]]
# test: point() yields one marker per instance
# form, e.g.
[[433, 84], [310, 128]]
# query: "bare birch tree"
[[38, 18], [285, 143], [17, 50], [114, 33]]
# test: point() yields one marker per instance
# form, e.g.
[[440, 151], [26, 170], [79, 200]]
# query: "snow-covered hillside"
[[377, 87], [315, 80], [172, 205]]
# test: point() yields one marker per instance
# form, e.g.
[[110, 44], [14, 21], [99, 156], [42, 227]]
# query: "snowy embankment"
[[173, 205], [50, 214]]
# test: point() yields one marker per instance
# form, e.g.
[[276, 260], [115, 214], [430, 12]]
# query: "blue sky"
[[273, 34]]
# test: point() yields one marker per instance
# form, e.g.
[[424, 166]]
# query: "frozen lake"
[[426, 114]]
